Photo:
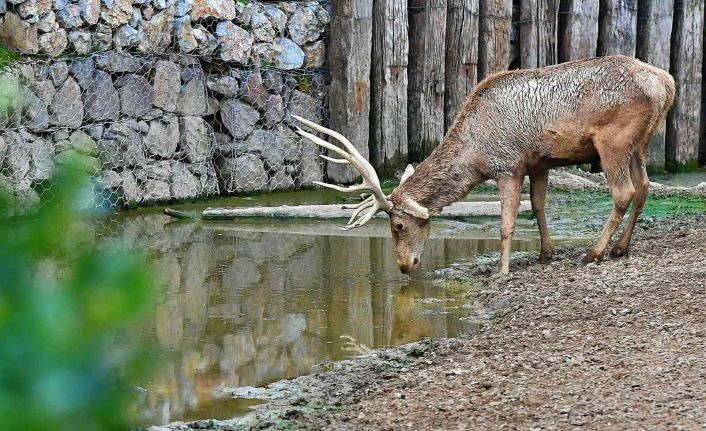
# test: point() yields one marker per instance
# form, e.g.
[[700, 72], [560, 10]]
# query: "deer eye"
[[399, 226]]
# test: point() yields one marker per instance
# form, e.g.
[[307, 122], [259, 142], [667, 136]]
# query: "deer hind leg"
[[538, 194], [641, 182], [509, 188], [615, 153]]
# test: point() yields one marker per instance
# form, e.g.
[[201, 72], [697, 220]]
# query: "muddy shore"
[[613, 345]]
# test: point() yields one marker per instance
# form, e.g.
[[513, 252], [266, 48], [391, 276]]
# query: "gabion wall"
[[158, 128]]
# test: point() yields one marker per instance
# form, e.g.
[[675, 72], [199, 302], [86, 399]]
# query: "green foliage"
[[64, 303]]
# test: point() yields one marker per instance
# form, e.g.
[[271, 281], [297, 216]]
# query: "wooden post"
[[427, 47], [683, 122], [654, 32], [461, 55], [617, 31], [388, 94], [538, 33], [349, 63], [578, 29], [494, 43]]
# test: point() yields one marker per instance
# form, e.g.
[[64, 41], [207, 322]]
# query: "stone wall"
[[283, 35], [161, 127]]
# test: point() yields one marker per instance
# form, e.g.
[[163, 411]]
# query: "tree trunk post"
[[461, 56]]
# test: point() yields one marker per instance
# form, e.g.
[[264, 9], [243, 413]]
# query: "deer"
[[524, 123]]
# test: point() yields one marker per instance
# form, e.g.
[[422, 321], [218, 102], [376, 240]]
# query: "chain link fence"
[[155, 129]]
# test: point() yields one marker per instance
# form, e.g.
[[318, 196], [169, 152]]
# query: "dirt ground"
[[616, 345]]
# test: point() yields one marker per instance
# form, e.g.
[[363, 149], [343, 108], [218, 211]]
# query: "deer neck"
[[446, 176]]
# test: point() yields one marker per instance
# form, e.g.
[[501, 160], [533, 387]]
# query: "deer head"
[[409, 221]]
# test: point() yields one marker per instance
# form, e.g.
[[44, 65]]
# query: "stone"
[[314, 55], [183, 7], [281, 180], [273, 81], [46, 22], [238, 117], [119, 62], [17, 34], [290, 56], [303, 26], [28, 157], [80, 41], [53, 44], [225, 146], [219, 9], [322, 14], [261, 27], [208, 182], [136, 95], [132, 193], [157, 32], [17, 157], [31, 10], [66, 109], [184, 184], [70, 16], [118, 13], [121, 147], [196, 139], [241, 174], [235, 42], [79, 141], [163, 137], [82, 71], [191, 72], [136, 17], [184, 34], [35, 115], [102, 37], [274, 110], [264, 144], [44, 90], [163, 4], [88, 164], [254, 91], [102, 101], [264, 54], [207, 43], [305, 106], [224, 85], [192, 98], [159, 170], [276, 17], [156, 191], [167, 84], [90, 11], [125, 37]]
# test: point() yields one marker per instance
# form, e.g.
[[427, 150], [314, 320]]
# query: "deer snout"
[[410, 265]]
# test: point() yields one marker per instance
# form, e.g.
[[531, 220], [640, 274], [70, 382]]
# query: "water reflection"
[[245, 305]]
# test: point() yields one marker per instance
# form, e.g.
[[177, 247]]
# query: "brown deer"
[[519, 123]]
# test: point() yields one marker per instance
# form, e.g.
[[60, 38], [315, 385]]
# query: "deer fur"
[[526, 122]]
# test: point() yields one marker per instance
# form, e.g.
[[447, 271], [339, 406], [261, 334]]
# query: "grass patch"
[[8, 57]]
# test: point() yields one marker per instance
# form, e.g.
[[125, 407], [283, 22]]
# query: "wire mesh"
[[157, 128]]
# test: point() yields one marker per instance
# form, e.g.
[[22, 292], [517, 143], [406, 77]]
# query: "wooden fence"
[[402, 68]]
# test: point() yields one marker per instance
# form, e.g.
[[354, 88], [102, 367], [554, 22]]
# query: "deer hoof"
[[618, 252], [589, 257], [546, 257]]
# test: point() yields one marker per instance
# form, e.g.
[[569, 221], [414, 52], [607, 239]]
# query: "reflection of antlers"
[[375, 203]]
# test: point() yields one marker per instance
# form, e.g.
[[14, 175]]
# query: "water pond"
[[248, 303]]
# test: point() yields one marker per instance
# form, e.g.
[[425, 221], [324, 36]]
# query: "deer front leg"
[[509, 188], [538, 194]]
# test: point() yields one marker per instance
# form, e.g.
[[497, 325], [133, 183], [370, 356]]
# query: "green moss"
[[690, 166], [7, 57]]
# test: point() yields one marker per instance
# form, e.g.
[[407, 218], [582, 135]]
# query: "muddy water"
[[248, 303]]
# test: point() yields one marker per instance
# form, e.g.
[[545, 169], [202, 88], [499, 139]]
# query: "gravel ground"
[[620, 345]]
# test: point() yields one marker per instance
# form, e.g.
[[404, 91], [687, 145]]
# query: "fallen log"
[[458, 209]]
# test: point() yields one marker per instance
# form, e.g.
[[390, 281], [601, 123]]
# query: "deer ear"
[[407, 173], [412, 207]]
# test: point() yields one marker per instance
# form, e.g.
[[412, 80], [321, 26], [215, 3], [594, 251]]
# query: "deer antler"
[[350, 155]]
